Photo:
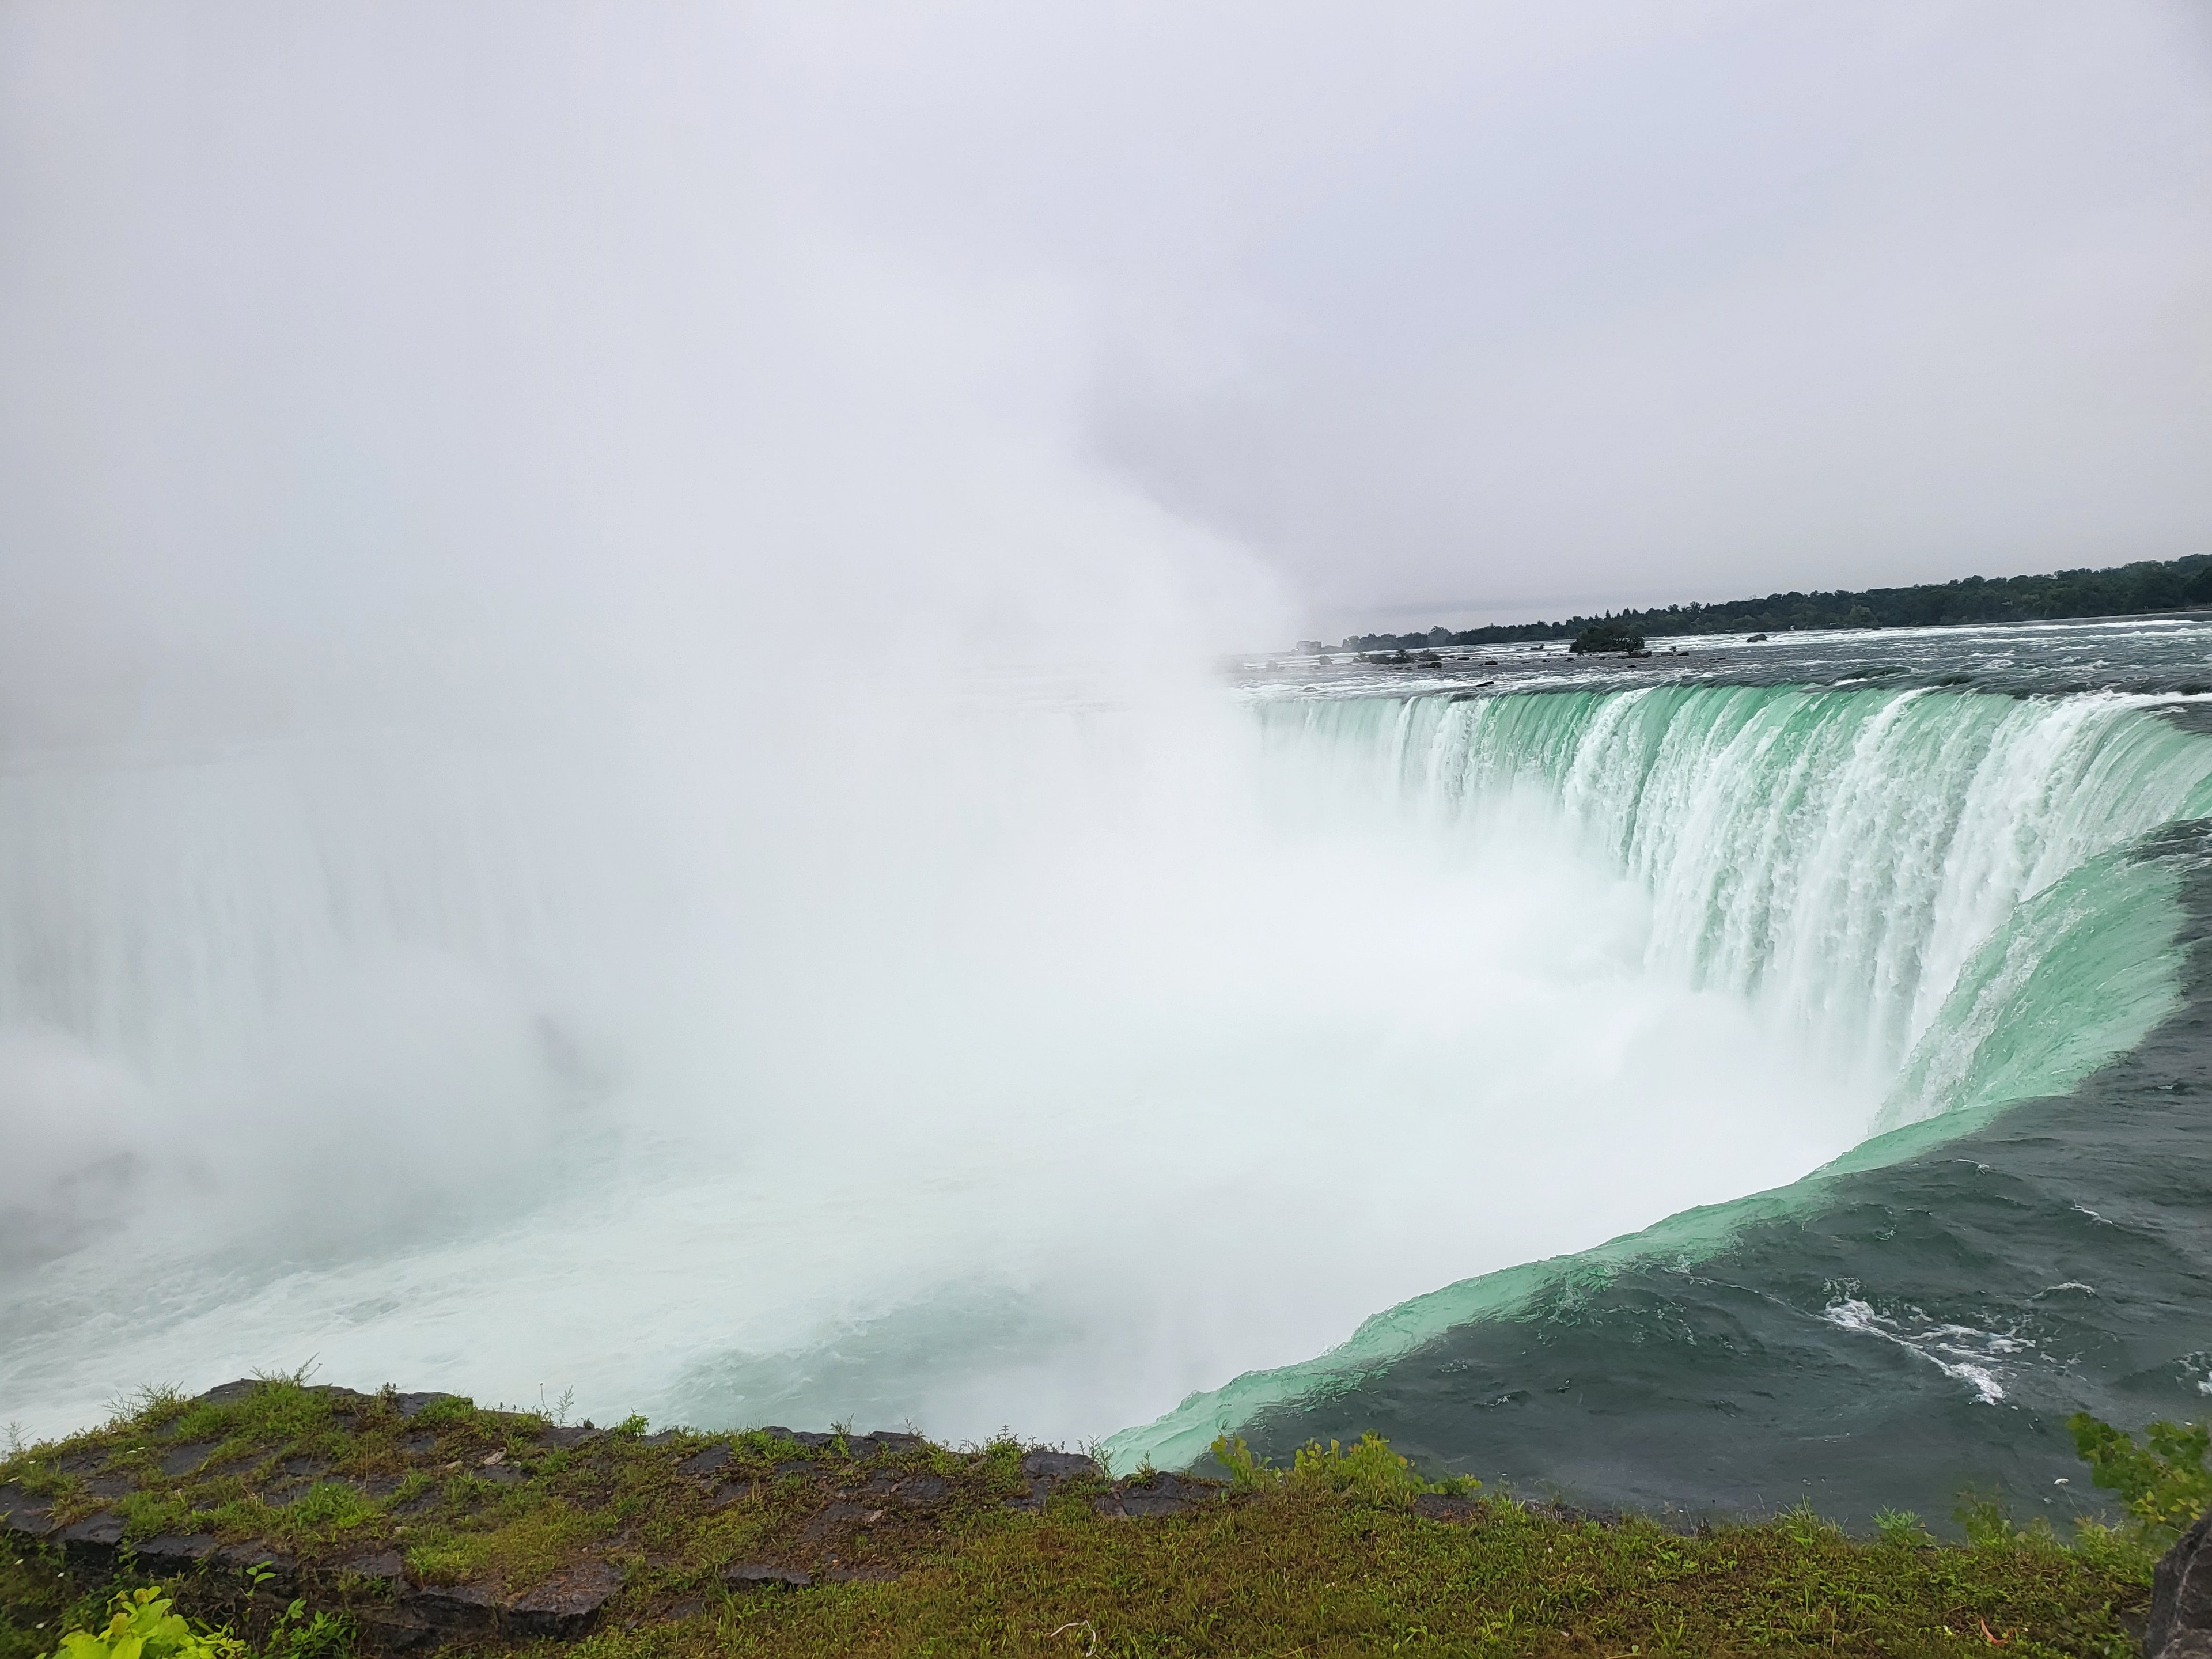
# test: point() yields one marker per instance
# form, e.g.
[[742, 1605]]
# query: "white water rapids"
[[1033, 1065]]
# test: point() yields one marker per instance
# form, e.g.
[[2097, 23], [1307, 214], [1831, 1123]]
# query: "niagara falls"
[[1105, 830]]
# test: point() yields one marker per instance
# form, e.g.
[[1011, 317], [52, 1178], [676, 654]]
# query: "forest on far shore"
[[2117, 590]]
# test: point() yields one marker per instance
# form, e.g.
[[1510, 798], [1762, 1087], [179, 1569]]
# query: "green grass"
[[1331, 1556]]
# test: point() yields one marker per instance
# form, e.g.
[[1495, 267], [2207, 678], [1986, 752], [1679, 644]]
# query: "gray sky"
[[1314, 316]]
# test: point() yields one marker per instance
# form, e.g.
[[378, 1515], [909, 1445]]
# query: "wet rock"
[[22, 1513], [393, 1630], [454, 1609], [173, 1553], [92, 1543], [868, 1574], [924, 1488], [1045, 1470], [564, 1607], [186, 1458], [2180, 1625], [836, 1514], [382, 1564], [752, 1575], [705, 1462], [414, 1405], [1165, 1494], [1435, 1507]]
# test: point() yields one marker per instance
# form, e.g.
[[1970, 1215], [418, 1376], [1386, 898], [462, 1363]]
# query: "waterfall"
[[1969, 900], [1880, 870]]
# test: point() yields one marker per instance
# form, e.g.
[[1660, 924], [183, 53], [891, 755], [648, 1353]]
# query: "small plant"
[[2165, 1485], [1900, 1526], [1247, 1471], [454, 1408], [631, 1427], [295, 1635], [1986, 1521], [144, 1625], [1369, 1472]]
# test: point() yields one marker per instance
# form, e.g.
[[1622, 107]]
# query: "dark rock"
[[83, 1462], [21, 1513], [1045, 1470], [2180, 1625], [564, 1439], [923, 1488], [862, 1447], [1165, 1494], [666, 1436], [705, 1462], [461, 1609], [229, 1393], [1435, 1507], [186, 1458], [861, 1575], [1057, 1465], [836, 1514], [689, 1608], [392, 1630], [171, 1552], [93, 1543], [385, 1565], [414, 1405], [797, 1466], [756, 1576], [500, 1474], [896, 1443], [564, 1606], [811, 1442]]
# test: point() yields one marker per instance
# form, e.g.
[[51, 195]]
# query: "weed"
[[144, 1625], [1900, 1526], [2164, 1485]]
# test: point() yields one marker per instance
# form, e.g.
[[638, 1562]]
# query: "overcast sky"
[[1365, 312]]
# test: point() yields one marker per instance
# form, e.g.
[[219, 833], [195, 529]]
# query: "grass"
[[1333, 1556]]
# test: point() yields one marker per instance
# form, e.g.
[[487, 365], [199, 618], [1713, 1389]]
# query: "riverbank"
[[412, 1523]]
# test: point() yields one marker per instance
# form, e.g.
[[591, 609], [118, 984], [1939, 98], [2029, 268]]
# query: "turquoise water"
[[1983, 905]]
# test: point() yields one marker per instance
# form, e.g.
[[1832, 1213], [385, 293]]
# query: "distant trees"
[[1605, 637], [2119, 591]]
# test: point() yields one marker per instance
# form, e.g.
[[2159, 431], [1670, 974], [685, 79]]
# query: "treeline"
[[2117, 591]]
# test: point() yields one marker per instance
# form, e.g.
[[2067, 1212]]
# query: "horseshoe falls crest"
[[1774, 1075], [1982, 908]]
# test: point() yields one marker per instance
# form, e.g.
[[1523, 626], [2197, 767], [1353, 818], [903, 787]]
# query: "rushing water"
[[1042, 1063], [1971, 901]]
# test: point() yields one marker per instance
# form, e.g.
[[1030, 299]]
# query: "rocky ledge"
[[430, 1521]]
